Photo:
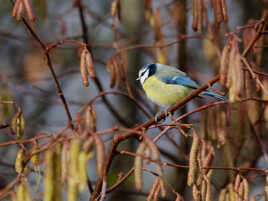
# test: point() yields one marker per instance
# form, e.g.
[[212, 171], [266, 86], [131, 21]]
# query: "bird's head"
[[146, 71]]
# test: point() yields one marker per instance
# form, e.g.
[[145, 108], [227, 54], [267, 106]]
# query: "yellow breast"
[[164, 94]]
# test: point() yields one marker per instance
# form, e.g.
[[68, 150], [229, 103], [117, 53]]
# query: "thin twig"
[[117, 139], [50, 66], [115, 113]]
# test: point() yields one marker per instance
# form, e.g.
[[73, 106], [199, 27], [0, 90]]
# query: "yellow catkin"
[[20, 125], [237, 182], [195, 192], [64, 161], [20, 192], [27, 196], [49, 176], [73, 169], [23, 193], [203, 190], [19, 161], [57, 176], [222, 195], [246, 190], [17, 124], [72, 189], [231, 192], [35, 162], [240, 193], [208, 193], [82, 169]]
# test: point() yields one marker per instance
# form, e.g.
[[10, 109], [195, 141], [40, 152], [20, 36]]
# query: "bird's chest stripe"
[[163, 93]]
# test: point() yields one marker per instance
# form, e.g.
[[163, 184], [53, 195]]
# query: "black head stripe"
[[152, 69]]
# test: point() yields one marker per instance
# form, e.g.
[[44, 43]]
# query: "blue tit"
[[166, 85]]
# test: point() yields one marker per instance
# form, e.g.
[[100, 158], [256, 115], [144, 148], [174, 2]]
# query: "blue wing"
[[188, 82], [180, 80]]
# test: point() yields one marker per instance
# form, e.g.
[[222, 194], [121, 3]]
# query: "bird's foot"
[[165, 111]]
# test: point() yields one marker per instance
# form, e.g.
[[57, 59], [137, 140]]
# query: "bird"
[[166, 85]]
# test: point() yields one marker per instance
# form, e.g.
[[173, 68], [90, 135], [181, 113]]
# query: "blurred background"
[[128, 34]]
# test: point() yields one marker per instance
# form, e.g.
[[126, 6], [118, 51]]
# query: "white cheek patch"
[[144, 76]]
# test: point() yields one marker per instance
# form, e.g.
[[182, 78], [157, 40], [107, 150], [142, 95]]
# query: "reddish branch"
[[50, 66], [119, 138]]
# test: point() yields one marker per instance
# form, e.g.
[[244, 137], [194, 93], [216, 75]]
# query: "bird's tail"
[[214, 94]]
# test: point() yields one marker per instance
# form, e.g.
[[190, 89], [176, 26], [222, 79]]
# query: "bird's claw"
[[159, 113]]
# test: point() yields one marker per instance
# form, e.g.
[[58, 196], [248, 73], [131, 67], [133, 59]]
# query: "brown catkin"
[[192, 173], [138, 166]]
